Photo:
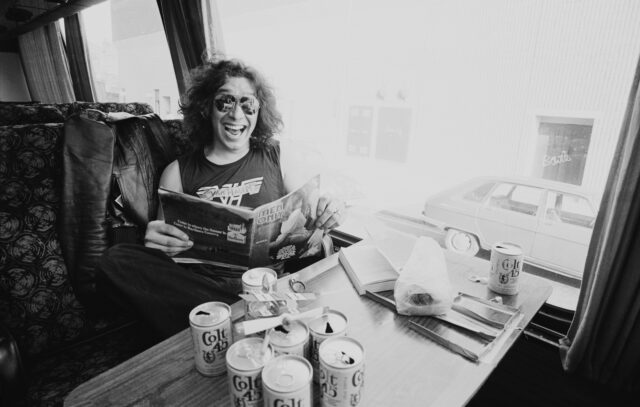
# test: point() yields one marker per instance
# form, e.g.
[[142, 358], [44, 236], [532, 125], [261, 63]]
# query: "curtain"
[[77, 57], [45, 65], [603, 342], [184, 28], [212, 28]]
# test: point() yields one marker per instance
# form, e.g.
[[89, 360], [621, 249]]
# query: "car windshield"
[[478, 194]]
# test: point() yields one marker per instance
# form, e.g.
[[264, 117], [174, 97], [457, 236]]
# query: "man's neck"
[[222, 156]]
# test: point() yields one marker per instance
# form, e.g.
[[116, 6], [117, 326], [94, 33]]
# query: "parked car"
[[551, 221]]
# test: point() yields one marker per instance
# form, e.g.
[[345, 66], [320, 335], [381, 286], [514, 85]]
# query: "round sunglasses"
[[226, 103]]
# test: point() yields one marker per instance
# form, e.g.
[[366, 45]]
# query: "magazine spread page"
[[285, 228], [220, 233], [240, 238]]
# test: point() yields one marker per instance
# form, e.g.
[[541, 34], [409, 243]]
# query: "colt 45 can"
[[341, 372], [333, 323], [258, 280], [252, 279], [290, 340], [506, 266], [245, 360], [286, 381], [211, 330]]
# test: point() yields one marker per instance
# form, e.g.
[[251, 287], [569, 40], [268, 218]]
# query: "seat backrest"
[[36, 113], [37, 302]]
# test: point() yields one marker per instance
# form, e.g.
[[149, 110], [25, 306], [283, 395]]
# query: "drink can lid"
[[296, 332], [253, 277], [247, 354], [336, 320], [341, 352], [507, 248], [209, 313], [287, 373]]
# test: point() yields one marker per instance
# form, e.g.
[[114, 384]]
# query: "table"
[[402, 367]]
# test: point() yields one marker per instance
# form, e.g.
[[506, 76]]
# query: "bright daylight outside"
[[408, 101], [129, 55]]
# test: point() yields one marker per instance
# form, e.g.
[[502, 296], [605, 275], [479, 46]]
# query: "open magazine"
[[241, 238]]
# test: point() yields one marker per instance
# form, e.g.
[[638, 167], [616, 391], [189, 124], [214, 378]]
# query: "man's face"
[[234, 115]]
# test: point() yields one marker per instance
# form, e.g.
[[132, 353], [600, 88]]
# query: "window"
[[570, 209], [516, 198], [409, 98], [478, 194], [130, 59], [562, 149]]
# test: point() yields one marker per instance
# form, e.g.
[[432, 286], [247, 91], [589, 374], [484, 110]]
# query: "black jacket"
[[111, 169]]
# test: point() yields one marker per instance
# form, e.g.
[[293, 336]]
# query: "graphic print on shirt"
[[231, 194]]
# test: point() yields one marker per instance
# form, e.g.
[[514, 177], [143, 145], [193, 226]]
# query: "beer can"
[[252, 282], [245, 360], [506, 266], [341, 372], [333, 323], [290, 340], [286, 382], [211, 330], [252, 279]]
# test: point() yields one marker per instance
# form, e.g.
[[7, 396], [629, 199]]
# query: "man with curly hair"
[[230, 113]]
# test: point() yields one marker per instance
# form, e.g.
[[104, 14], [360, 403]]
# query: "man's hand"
[[330, 213], [167, 238]]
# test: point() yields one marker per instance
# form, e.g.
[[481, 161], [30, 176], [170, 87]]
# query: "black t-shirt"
[[253, 180]]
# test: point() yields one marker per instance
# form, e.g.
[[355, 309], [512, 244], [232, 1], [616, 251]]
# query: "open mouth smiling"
[[234, 129]]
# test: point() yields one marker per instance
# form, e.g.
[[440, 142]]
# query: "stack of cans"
[[279, 370], [337, 364], [333, 323]]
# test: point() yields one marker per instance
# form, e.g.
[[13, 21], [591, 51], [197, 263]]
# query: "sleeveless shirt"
[[251, 181]]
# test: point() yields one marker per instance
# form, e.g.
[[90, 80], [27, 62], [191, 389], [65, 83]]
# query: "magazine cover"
[[240, 238]]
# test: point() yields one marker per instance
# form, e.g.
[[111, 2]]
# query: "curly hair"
[[197, 101]]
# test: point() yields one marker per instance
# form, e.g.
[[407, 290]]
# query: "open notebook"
[[368, 268]]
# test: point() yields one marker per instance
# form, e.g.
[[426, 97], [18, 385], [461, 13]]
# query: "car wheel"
[[461, 242]]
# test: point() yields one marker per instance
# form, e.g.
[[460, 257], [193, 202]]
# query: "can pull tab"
[[203, 313], [328, 329], [344, 358], [265, 284]]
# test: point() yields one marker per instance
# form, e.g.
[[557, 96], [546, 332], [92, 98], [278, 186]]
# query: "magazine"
[[239, 238]]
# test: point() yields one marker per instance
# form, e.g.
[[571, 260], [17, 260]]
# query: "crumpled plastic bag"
[[423, 287]]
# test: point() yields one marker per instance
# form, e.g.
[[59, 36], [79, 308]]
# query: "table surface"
[[402, 367]]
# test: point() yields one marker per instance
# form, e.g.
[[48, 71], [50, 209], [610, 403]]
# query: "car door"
[[565, 231], [510, 214]]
